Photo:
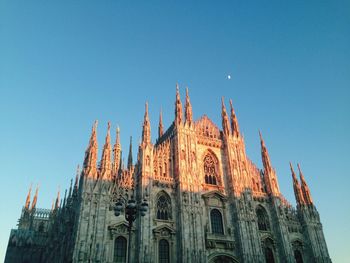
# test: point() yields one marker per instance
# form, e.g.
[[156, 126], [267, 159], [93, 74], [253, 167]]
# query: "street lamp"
[[131, 210]]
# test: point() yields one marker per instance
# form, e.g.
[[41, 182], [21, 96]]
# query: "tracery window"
[[216, 222], [163, 207], [210, 172], [120, 250], [298, 257], [163, 251], [263, 219]]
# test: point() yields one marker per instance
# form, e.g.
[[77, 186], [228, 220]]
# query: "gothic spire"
[[305, 188], [269, 173], [90, 159], [146, 129], [76, 183], [27, 204], [188, 109], [116, 153], [35, 199], [70, 189], [57, 203], [297, 190], [264, 154], [160, 126], [106, 166], [130, 155], [65, 198], [178, 107], [234, 122], [225, 122]]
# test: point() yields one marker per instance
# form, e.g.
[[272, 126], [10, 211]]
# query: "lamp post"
[[131, 211]]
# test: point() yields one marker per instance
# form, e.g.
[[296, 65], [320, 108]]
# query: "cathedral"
[[191, 196]]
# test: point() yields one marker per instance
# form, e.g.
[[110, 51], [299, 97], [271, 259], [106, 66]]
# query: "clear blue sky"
[[65, 64]]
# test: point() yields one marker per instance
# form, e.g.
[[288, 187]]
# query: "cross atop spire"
[[160, 126], [305, 188], [178, 107], [188, 109], [225, 122], [234, 122]]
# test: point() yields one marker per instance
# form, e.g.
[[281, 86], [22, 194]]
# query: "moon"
[[228, 76]]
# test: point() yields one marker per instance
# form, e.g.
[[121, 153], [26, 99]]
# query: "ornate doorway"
[[223, 259]]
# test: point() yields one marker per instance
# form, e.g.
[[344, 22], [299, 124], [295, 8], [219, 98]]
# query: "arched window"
[[120, 250], [269, 255], [210, 173], [216, 222], [163, 252], [163, 207], [298, 257], [263, 219]]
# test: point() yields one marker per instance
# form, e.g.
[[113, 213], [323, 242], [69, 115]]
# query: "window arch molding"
[[263, 219], [163, 206], [211, 169]]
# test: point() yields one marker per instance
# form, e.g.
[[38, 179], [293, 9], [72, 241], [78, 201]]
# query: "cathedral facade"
[[207, 202]]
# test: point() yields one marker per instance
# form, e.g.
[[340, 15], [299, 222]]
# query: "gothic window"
[[120, 250], [163, 252], [41, 227], [163, 207], [269, 255], [263, 219], [210, 173], [298, 257], [216, 222]]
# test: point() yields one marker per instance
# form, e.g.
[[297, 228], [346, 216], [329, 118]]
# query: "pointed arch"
[[163, 206], [269, 250], [211, 168], [262, 219]]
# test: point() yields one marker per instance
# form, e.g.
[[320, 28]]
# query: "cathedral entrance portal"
[[223, 259]]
